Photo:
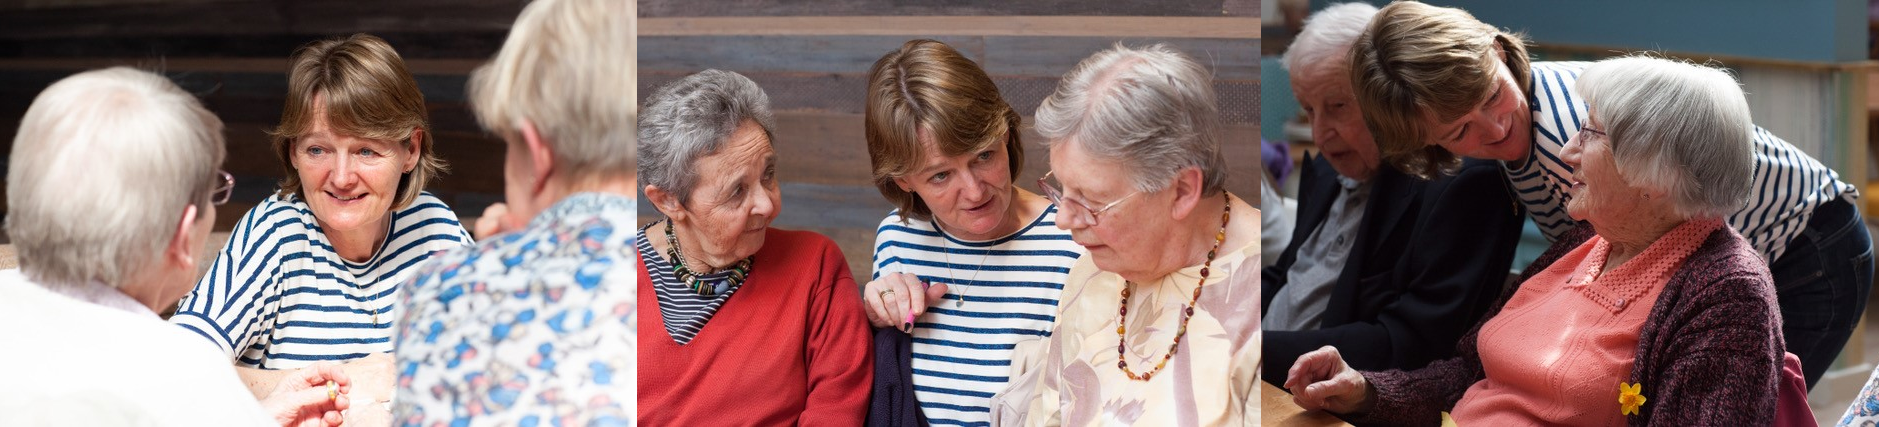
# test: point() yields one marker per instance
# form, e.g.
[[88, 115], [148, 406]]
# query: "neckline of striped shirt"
[[685, 312], [276, 288], [960, 351]]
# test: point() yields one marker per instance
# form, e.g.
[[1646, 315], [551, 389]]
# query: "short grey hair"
[[1325, 43], [690, 119], [1675, 127], [1152, 109], [561, 70], [103, 163]]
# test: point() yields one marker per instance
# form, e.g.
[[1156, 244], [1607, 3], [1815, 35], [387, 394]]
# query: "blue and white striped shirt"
[[278, 297], [1001, 292], [1788, 185]]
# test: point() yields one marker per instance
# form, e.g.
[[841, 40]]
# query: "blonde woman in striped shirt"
[[970, 264], [311, 274]]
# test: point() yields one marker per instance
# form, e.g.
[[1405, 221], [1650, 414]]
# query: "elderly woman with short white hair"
[[111, 192], [1162, 315], [740, 304], [536, 325], [1651, 311]]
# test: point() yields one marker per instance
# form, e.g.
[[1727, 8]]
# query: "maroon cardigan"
[[1709, 354]]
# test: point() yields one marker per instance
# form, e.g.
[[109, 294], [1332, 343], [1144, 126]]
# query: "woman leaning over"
[[1162, 317], [1652, 311], [312, 273], [969, 264], [756, 326]]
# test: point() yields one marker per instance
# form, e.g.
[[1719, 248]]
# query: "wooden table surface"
[[1276, 409]]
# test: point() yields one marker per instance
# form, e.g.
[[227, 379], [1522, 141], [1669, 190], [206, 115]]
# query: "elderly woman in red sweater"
[[754, 325], [1652, 311]]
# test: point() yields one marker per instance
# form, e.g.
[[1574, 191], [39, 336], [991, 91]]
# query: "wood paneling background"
[[233, 54]]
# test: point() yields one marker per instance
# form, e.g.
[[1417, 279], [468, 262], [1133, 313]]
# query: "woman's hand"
[[376, 378], [892, 297], [1320, 380], [310, 396], [495, 220]]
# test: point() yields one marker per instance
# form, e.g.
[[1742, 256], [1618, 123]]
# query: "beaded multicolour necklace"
[[1122, 316], [703, 287]]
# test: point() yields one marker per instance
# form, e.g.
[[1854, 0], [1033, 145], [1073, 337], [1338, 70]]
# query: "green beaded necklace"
[[737, 271]]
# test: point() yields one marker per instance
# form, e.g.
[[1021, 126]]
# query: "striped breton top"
[[1788, 185], [962, 346], [278, 297]]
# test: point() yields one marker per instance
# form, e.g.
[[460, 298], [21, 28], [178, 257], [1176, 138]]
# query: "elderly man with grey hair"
[[1388, 268], [782, 307], [535, 325], [1138, 172], [111, 191]]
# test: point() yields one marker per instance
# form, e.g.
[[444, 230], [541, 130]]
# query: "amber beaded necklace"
[[1122, 315]]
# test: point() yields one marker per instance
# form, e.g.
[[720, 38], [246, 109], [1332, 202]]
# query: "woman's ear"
[[1187, 191], [183, 245], [414, 150], [540, 156], [667, 203]]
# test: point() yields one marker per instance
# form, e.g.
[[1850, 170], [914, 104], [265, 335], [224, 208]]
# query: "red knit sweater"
[[791, 347]]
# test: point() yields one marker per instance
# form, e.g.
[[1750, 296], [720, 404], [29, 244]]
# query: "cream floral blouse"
[[1072, 378]]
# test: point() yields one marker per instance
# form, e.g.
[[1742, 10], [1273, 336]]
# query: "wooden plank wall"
[[812, 59], [233, 54]]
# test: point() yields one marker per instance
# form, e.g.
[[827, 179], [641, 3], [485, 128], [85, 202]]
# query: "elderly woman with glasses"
[[1438, 85], [739, 304], [1166, 304], [970, 264], [313, 273], [1651, 312], [107, 242]]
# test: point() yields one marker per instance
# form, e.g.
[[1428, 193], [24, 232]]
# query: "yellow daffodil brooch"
[[1630, 398]]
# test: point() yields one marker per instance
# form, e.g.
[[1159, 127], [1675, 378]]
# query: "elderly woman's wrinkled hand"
[[1320, 380], [895, 299], [310, 396]]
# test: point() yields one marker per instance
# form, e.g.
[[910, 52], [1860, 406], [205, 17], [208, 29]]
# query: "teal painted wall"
[[1797, 30]]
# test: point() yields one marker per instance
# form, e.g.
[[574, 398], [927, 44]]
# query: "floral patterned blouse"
[[1210, 380], [530, 328]]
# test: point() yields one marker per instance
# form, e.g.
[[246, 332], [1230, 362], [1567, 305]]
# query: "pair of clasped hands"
[[355, 393]]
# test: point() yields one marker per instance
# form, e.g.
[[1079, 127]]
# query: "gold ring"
[[884, 292]]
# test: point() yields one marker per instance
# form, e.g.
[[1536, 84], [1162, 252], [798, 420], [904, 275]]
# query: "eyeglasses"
[[224, 189], [1084, 212], [1588, 129]]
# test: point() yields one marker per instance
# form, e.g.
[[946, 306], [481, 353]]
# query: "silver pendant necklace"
[[946, 245]]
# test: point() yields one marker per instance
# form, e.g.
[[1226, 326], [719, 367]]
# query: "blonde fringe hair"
[[1418, 63], [362, 87], [926, 87]]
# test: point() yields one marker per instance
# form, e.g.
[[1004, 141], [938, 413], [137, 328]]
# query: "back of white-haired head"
[[567, 67], [1151, 109], [1677, 128], [1326, 39], [104, 163]]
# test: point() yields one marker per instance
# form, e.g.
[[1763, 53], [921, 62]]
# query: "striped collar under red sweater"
[[791, 348]]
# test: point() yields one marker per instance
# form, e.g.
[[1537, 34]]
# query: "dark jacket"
[[1710, 354], [891, 401], [1429, 259]]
